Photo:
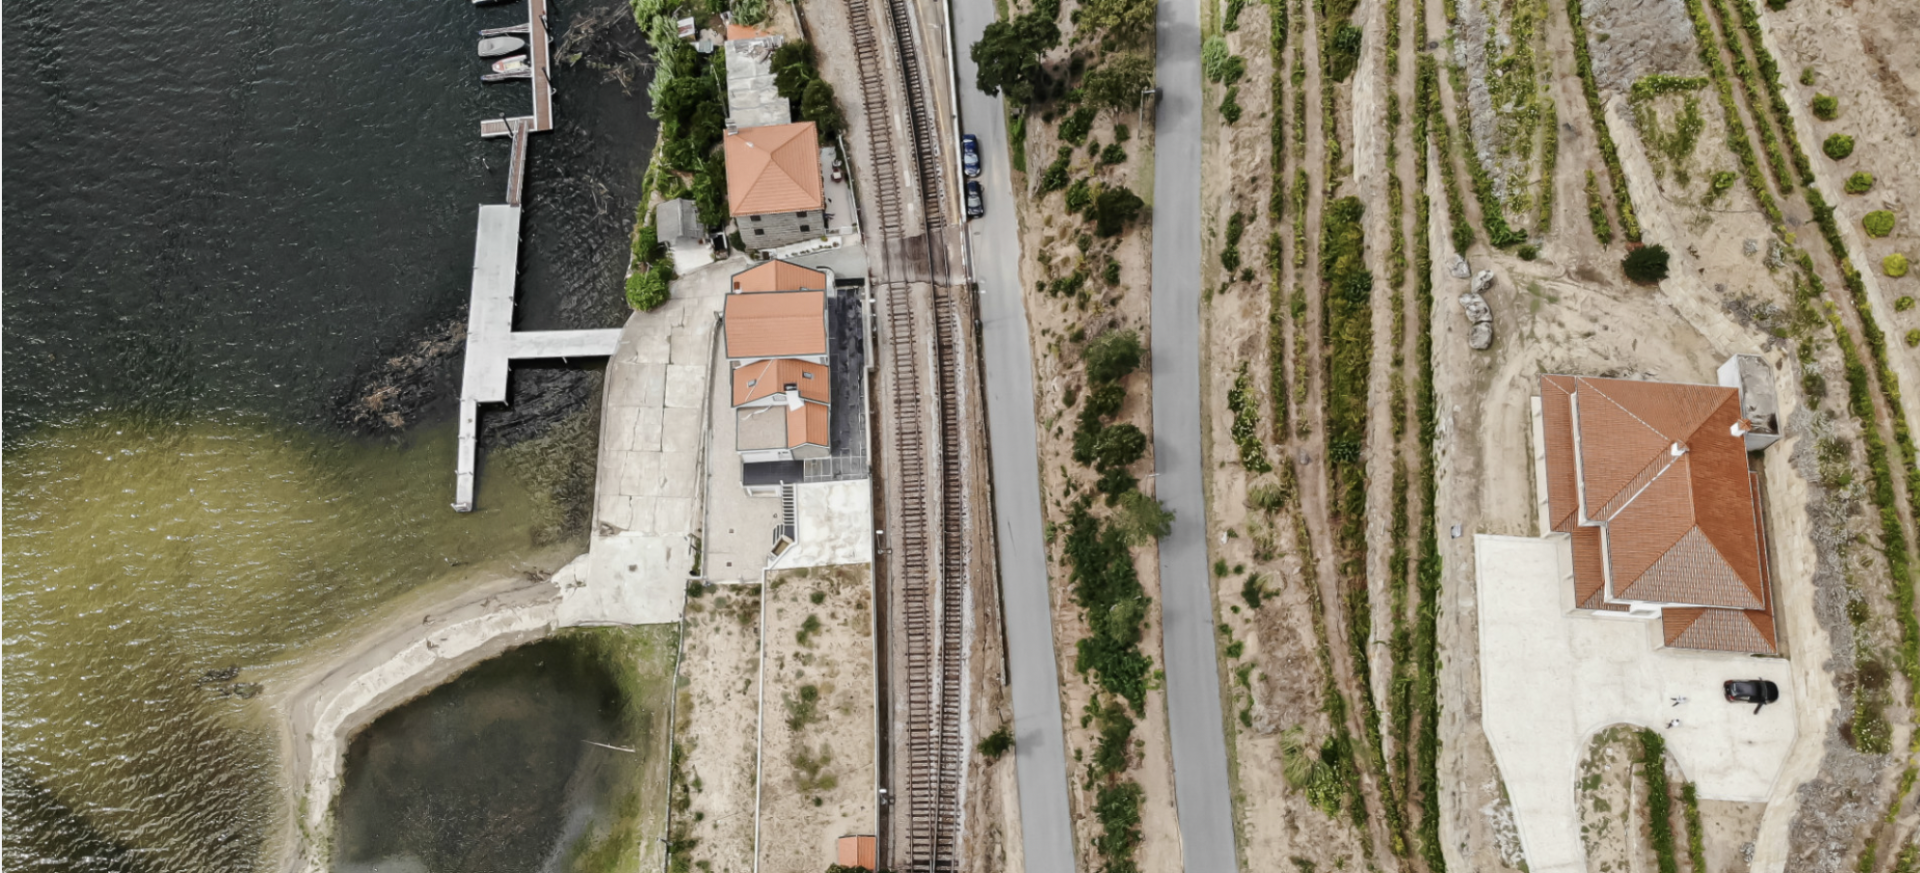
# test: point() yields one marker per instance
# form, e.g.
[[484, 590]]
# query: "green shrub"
[[997, 743], [1213, 58], [1343, 52], [1878, 223], [1075, 128], [1647, 264], [1118, 445], [1111, 273], [1838, 146], [1253, 590], [1528, 252], [1659, 802], [1110, 357], [1117, 82], [1913, 338], [1904, 303], [1825, 107], [1230, 104], [1806, 76], [1860, 182], [1894, 265], [1054, 177], [1113, 154], [749, 12], [1597, 211], [1141, 518], [1079, 196], [1246, 423], [649, 289]]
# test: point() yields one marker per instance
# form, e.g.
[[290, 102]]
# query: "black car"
[[970, 155], [1758, 692], [976, 200]]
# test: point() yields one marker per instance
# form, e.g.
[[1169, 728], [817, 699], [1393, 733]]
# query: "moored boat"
[[495, 46]]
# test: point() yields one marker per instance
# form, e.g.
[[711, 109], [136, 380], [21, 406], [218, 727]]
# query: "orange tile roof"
[[779, 275], [1655, 469], [1722, 630], [806, 424], [856, 852], [741, 31], [762, 379], [776, 325], [775, 168]]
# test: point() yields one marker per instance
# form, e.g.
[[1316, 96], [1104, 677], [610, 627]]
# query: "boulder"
[[1481, 337], [1476, 306], [1460, 270], [1482, 281]]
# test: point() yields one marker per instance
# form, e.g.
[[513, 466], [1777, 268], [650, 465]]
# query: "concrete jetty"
[[492, 342]]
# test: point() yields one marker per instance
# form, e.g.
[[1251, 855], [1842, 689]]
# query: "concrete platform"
[[1551, 678], [833, 524]]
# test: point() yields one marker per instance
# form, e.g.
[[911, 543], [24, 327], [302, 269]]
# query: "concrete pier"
[[492, 341]]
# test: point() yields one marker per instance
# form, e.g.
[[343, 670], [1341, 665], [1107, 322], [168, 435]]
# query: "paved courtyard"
[[1551, 678]]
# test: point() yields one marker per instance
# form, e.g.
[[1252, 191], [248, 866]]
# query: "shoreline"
[[419, 643]]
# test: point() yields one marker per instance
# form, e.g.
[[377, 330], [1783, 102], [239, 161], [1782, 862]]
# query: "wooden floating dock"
[[492, 343], [539, 56]]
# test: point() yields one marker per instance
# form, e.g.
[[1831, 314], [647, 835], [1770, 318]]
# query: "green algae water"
[[578, 724], [145, 560]]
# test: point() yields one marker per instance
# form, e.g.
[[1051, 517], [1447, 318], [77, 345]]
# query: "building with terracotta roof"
[[774, 188], [779, 275], [856, 851], [1650, 483], [775, 328]]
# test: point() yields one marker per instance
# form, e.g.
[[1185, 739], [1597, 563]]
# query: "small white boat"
[[512, 65], [487, 2], [495, 46]]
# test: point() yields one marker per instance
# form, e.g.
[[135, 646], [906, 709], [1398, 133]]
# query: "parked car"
[[1758, 692], [976, 201], [970, 155]]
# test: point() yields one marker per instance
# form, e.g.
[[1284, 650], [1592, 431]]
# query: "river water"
[[222, 222]]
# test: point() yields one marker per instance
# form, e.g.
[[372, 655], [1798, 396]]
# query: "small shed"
[[856, 851], [678, 224], [1759, 405]]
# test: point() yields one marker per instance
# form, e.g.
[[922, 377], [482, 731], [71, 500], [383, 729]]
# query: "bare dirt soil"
[[716, 734], [818, 728]]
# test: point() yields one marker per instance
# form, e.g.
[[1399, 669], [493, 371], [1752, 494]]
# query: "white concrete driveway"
[[1551, 679]]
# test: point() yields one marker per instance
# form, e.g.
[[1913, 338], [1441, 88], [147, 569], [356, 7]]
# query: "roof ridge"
[[1623, 407]]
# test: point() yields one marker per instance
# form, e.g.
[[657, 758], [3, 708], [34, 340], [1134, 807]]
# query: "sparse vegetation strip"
[[1653, 767], [1609, 152], [1709, 49]]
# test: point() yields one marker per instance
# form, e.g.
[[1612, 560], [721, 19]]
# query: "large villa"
[[1650, 482]]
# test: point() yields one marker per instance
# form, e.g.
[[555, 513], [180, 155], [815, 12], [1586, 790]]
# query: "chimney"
[[1679, 448], [1741, 427]]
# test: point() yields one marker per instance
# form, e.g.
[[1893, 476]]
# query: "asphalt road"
[[1039, 745], [1186, 597]]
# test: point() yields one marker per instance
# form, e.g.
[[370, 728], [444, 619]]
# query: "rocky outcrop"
[[1474, 302]]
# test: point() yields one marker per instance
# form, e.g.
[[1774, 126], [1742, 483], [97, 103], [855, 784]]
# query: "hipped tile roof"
[[1652, 484], [775, 168]]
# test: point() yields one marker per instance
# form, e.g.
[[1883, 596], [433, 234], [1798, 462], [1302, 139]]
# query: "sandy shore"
[[419, 642]]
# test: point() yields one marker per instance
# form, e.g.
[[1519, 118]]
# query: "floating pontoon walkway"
[[539, 56], [491, 340]]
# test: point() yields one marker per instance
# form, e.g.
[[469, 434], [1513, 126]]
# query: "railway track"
[[929, 535]]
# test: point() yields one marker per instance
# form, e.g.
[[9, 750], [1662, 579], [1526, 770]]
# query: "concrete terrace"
[[1551, 677]]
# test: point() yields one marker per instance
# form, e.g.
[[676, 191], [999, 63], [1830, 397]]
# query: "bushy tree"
[[1113, 207], [1118, 445], [1878, 223], [1894, 265], [1127, 21], [1838, 146], [1117, 83], [817, 105], [1647, 264], [710, 192], [1008, 55], [793, 67], [1079, 196], [1825, 107], [1860, 182], [1111, 356], [997, 743]]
